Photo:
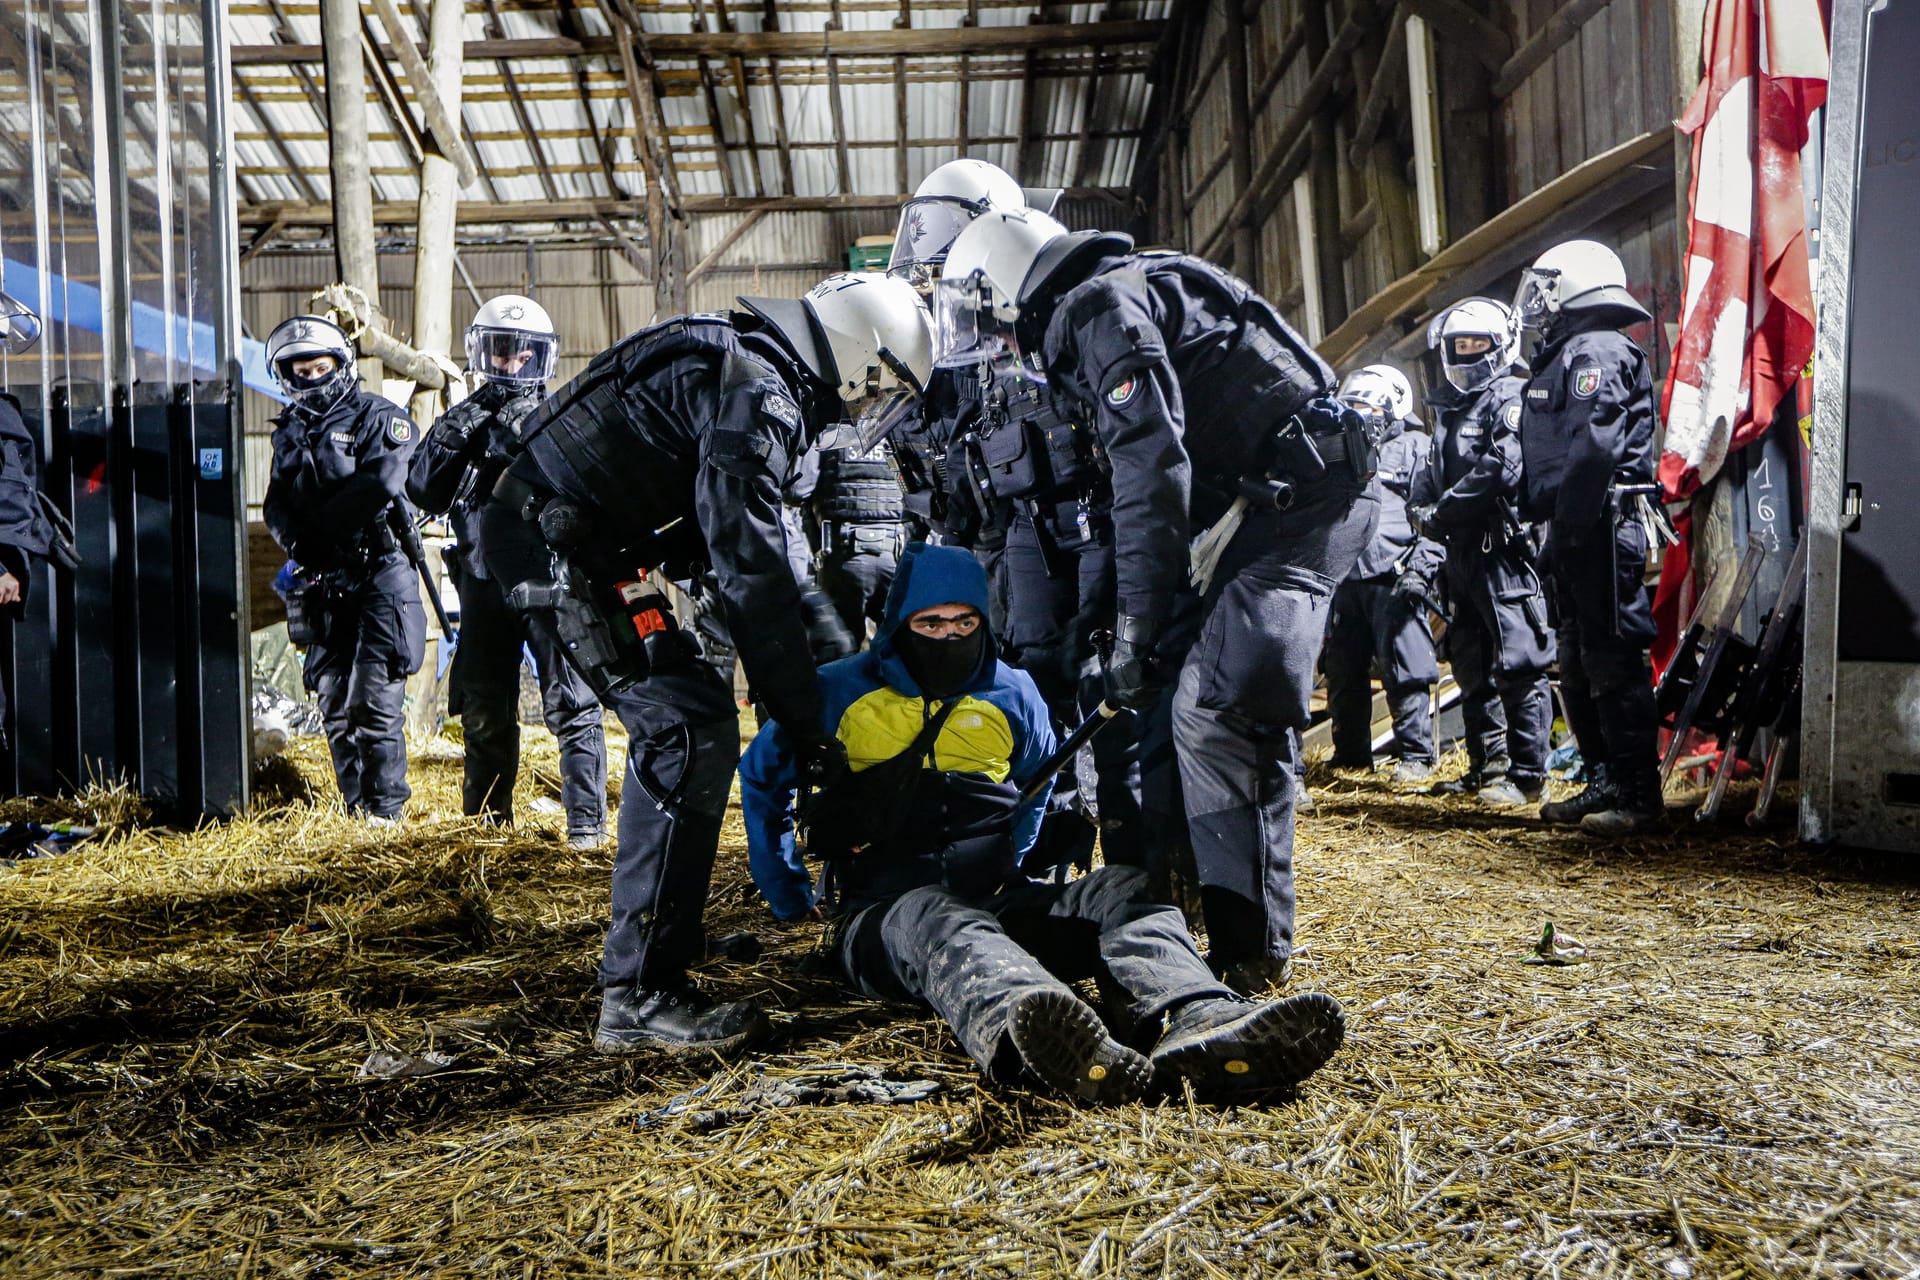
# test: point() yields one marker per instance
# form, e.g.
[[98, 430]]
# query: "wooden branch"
[[727, 242], [910, 42], [770, 19], [1388, 76], [440, 122], [1563, 26], [1476, 34]]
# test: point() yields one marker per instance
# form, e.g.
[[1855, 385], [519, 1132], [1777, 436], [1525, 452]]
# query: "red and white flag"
[[1746, 323]]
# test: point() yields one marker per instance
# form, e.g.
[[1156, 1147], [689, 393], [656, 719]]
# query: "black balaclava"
[[943, 665]]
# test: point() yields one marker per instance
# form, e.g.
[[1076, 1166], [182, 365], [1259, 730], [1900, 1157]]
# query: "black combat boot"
[[1234, 1046], [1597, 796], [679, 1020], [1063, 1042], [1637, 805]]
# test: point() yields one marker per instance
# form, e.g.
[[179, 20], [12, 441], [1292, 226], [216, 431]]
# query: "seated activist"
[[923, 838]]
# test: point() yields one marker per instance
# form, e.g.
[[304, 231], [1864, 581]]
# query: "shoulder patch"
[[1512, 416], [777, 406], [1123, 391], [399, 430], [1586, 382]]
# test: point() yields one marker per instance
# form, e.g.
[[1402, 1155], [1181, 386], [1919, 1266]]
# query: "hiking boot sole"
[[620, 1044], [1062, 1041], [1275, 1045]]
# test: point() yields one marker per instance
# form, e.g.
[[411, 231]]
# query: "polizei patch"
[[1124, 390], [399, 430], [1586, 382]]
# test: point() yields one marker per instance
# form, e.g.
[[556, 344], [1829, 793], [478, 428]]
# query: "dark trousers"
[[1240, 703], [856, 570], [486, 682], [1049, 621], [375, 637], [972, 960], [1372, 627], [683, 743], [1500, 648], [1605, 628]]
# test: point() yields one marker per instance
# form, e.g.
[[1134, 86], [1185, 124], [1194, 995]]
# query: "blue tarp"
[[78, 305]]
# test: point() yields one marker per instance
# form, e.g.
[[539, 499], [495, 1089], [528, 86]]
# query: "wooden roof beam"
[[710, 91], [440, 122], [406, 213], [294, 167], [737, 68], [901, 21], [1457, 21], [1563, 26], [770, 17], [844, 171]]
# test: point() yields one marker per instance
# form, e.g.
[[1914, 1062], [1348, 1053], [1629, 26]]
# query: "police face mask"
[[940, 665]]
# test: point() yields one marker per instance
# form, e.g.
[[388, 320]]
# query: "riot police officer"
[[851, 498], [1211, 412], [23, 526], [1498, 638], [334, 505], [667, 455], [1586, 437], [1373, 623], [511, 353]]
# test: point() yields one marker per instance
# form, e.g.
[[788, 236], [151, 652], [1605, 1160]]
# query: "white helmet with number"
[[943, 204], [511, 343], [1474, 318], [977, 300], [302, 338], [1378, 390], [1579, 275]]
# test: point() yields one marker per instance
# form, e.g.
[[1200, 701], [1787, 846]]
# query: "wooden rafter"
[[548, 183], [296, 214], [1083, 150], [297, 170], [1029, 96], [743, 101], [710, 91], [573, 28], [727, 242], [965, 122], [440, 122], [393, 100], [770, 16], [842, 168]]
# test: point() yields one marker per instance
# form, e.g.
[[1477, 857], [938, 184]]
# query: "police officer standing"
[[1586, 431], [1213, 414], [1498, 639], [511, 353], [1372, 622], [667, 454], [23, 528], [334, 505], [852, 497]]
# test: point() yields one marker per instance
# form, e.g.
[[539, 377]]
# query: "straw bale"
[[1725, 1085]]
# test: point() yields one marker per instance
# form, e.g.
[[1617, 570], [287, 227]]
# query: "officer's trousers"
[[856, 568], [375, 637], [1605, 628], [486, 684], [1500, 648], [971, 960], [683, 743], [1373, 626], [1240, 704], [1049, 621]]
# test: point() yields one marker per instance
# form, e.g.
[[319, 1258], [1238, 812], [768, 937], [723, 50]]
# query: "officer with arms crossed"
[[334, 505], [1201, 395], [667, 453], [1586, 430], [1468, 499], [511, 353], [1372, 621], [924, 839]]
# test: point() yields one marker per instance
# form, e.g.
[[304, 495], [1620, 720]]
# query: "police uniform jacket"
[[674, 443], [334, 476], [1188, 375], [1587, 419], [21, 530], [1403, 455], [460, 459]]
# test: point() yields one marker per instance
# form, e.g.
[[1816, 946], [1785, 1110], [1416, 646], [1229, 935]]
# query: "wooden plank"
[[1389, 75], [727, 242], [842, 168], [1551, 32], [440, 122], [299, 214], [1623, 29], [783, 156], [1544, 120], [1454, 20], [1569, 100], [900, 179], [710, 94]]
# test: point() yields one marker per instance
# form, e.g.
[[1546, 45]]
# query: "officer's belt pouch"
[[876, 540], [307, 613], [1012, 462]]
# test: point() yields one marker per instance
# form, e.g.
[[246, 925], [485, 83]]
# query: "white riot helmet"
[[511, 343], [865, 335], [1453, 333], [1378, 391], [19, 327], [977, 299], [1580, 275], [943, 204], [299, 338]]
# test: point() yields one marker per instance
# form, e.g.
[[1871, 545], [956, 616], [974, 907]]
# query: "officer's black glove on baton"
[[1133, 677], [820, 761]]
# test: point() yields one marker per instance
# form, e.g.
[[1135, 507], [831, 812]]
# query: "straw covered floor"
[[1725, 1086]]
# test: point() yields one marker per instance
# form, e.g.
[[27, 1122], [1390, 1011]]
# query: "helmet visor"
[[19, 327], [880, 415], [965, 329], [927, 230], [511, 357], [1533, 302]]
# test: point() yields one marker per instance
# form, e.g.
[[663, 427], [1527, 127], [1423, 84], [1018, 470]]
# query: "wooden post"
[[439, 200], [355, 259], [1240, 139], [1324, 179]]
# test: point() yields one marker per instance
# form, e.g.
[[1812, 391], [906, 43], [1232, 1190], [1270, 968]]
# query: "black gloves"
[[819, 760], [1134, 678], [1421, 518], [827, 635]]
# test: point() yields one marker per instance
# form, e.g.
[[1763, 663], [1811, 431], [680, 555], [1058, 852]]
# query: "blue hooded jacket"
[[872, 704]]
